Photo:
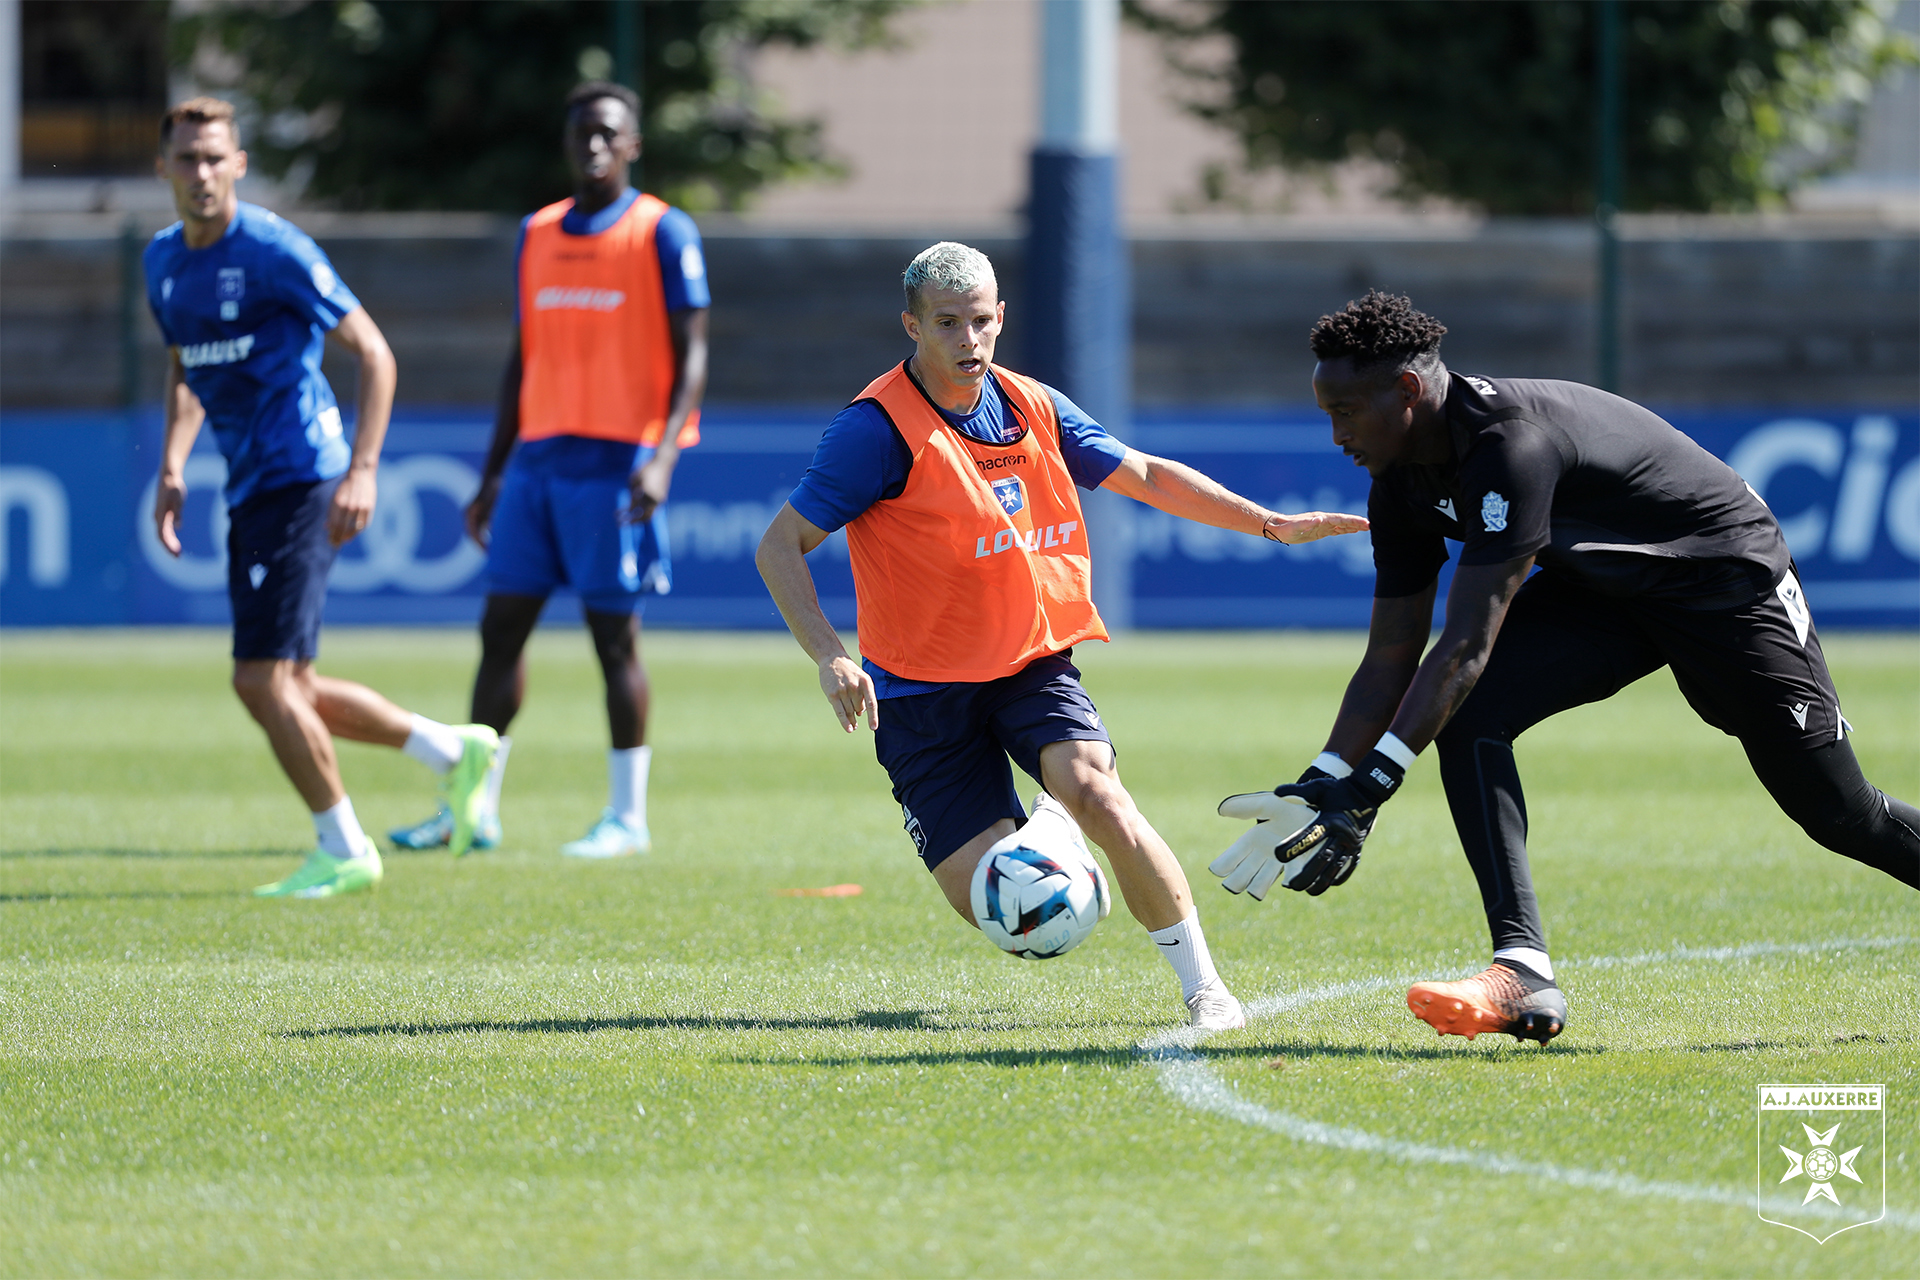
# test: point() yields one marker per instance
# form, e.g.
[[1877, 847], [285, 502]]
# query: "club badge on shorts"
[[1822, 1157]]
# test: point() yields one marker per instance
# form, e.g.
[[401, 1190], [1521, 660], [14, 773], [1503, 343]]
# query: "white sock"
[[1185, 948], [435, 745], [339, 830], [1532, 957], [627, 784], [495, 774]]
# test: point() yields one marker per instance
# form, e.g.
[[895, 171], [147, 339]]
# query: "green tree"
[[1493, 102], [455, 104]]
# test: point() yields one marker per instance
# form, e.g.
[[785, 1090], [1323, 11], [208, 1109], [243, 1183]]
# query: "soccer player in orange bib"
[[601, 393], [955, 480]]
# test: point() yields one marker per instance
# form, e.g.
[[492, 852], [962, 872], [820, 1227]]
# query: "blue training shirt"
[[683, 278], [250, 315], [862, 460]]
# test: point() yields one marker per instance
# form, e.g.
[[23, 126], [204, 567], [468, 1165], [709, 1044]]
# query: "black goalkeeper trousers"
[[1756, 673]]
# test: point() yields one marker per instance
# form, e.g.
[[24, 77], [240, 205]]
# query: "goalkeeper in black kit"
[[1650, 552]]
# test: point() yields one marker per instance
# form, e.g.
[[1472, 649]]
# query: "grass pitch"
[[517, 1065]]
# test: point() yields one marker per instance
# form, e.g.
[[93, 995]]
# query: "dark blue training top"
[[683, 278], [250, 315], [862, 460]]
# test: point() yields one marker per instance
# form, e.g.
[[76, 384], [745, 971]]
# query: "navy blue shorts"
[[551, 531], [946, 752], [277, 562]]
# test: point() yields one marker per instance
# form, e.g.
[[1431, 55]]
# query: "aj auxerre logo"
[[555, 298], [1822, 1157], [1054, 535], [225, 351]]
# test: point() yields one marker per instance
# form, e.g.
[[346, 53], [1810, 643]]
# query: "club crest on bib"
[[1011, 495], [1493, 512]]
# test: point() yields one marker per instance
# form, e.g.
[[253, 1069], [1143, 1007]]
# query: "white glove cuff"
[[1395, 750], [1327, 762]]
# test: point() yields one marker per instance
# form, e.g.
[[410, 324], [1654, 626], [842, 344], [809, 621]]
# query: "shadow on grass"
[[168, 896], [21, 855], [873, 1020], [1302, 1050], [1119, 1057]]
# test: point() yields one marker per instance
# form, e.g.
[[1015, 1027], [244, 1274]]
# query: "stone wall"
[[1717, 311]]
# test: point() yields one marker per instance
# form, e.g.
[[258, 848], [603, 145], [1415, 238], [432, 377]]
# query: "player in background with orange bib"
[[956, 482], [601, 393]]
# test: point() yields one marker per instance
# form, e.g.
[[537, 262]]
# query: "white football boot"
[[610, 838], [1214, 1008]]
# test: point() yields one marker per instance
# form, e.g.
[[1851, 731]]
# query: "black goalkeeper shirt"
[[1596, 488]]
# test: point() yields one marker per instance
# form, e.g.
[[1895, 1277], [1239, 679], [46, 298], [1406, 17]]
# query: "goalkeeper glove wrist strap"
[[1378, 776]]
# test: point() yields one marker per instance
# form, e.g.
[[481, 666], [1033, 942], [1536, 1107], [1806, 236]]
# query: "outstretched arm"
[[781, 559], [1179, 490]]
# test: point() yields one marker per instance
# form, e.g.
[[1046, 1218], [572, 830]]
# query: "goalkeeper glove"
[[1285, 831], [1348, 806]]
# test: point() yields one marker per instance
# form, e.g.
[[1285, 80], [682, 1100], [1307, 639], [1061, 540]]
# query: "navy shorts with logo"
[[278, 557], [947, 752]]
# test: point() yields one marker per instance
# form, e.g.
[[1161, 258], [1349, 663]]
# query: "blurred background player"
[[601, 393], [245, 302], [1651, 553], [955, 480]]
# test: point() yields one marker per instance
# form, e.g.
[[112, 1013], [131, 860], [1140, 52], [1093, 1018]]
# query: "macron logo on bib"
[[226, 351], [556, 298]]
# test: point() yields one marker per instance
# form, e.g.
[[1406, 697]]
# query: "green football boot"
[[466, 785], [324, 876]]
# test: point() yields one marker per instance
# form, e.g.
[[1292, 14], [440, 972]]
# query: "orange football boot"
[[1494, 1000]]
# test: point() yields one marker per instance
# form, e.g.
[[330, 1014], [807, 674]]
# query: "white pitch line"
[[1186, 1076]]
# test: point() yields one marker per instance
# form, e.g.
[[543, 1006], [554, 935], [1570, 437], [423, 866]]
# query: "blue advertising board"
[[77, 544]]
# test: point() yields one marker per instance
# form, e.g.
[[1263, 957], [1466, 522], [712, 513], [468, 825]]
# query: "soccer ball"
[[1038, 903]]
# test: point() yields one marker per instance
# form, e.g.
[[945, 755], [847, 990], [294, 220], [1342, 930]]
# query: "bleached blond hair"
[[948, 265]]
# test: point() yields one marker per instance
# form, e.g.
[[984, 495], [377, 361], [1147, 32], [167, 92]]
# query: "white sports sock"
[[1532, 957], [435, 745], [627, 784], [495, 774], [339, 830], [1185, 948]]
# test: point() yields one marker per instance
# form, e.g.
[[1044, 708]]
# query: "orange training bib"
[[596, 352], [980, 565]]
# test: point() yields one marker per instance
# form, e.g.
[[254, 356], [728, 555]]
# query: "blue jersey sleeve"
[[304, 281], [683, 262], [1090, 453], [860, 460]]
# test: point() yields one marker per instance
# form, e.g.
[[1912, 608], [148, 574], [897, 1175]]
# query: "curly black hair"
[[594, 90], [1376, 331]]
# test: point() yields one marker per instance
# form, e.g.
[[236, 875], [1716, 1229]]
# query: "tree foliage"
[[455, 104], [1494, 102]]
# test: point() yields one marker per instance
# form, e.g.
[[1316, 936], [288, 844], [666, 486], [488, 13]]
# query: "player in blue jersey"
[[246, 303], [602, 390]]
